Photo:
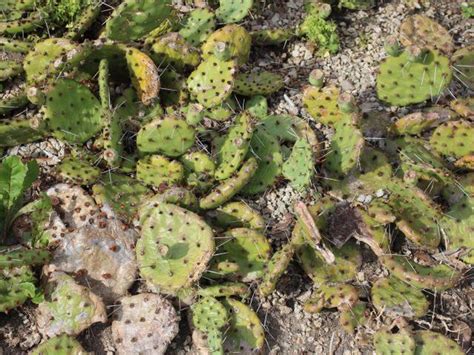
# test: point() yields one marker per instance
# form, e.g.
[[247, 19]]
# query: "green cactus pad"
[[77, 171], [212, 81], [229, 187], [199, 170], [17, 285], [237, 214], [275, 268], [416, 123], [346, 147], [223, 111], [14, 45], [402, 80], [30, 23], [21, 131], [428, 342], [59, 345], [231, 11], [439, 277], [257, 83], [68, 308], [75, 116], [198, 25], [452, 138], [246, 333], [133, 19], [228, 42], [247, 248], [395, 298], [266, 149], [23, 257], [462, 61], [225, 289], [388, 343], [353, 317], [322, 104], [144, 73], [341, 296], [174, 195], [272, 36], [172, 49], [12, 102], [234, 146], [9, 69], [422, 31], [257, 106], [157, 170], [169, 136], [174, 247], [298, 168], [122, 193]]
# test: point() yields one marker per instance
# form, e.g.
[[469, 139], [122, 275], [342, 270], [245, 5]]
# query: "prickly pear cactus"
[[199, 170], [59, 345], [172, 49], [257, 106], [157, 170], [144, 323], [245, 247], [298, 168], [395, 298], [23, 257], [22, 130], [437, 277], [170, 136], [229, 187], [257, 83], [212, 81], [237, 214], [413, 77], [144, 73], [174, 195], [272, 36], [68, 308], [428, 342], [462, 61], [198, 25], [275, 268], [17, 285], [79, 103], [354, 317], [133, 19], [77, 171], [451, 138], [422, 31], [340, 296], [231, 11], [322, 104], [246, 333], [174, 247], [234, 147], [386, 342], [209, 317], [225, 289], [231, 41]]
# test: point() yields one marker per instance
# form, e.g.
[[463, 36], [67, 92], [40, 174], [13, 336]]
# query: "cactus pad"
[[230, 11], [59, 345], [275, 268], [342, 297], [174, 247], [69, 308], [298, 168], [388, 343], [157, 170], [77, 171], [23, 257], [169, 136], [352, 318], [198, 25], [322, 104], [428, 342], [144, 75], [17, 284], [463, 60], [272, 36], [438, 277], [422, 31], [144, 323], [257, 83], [257, 106], [74, 117], [395, 298], [237, 214], [228, 42], [173, 49], [225, 289], [452, 138], [404, 80], [212, 81], [245, 247]]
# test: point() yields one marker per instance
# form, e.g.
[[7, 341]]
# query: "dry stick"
[[305, 217]]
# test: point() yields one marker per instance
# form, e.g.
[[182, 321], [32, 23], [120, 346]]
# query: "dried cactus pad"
[[246, 334], [133, 19], [212, 81], [404, 80], [387, 343], [230, 11], [258, 83], [428, 342], [144, 324], [72, 112], [68, 308], [169, 136], [198, 25], [60, 345], [174, 247], [424, 32], [144, 73], [454, 138], [395, 298]]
